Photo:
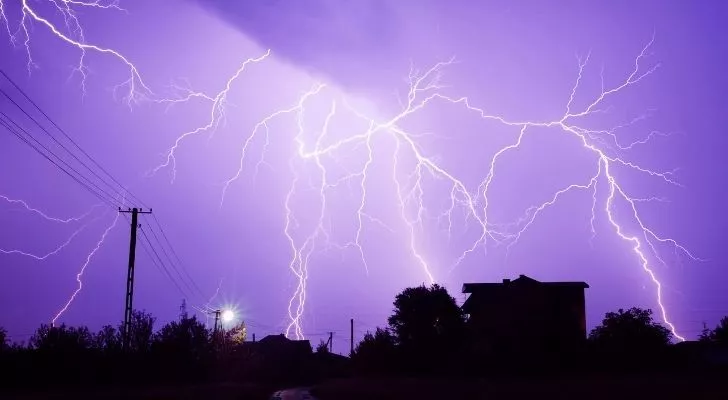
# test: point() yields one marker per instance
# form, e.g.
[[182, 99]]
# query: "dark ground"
[[659, 388], [619, 388], [212, 392]]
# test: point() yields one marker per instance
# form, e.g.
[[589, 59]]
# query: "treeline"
[[428, 334], [180, 351]]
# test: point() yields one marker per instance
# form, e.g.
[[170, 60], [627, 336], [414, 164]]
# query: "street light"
[[228, 316]]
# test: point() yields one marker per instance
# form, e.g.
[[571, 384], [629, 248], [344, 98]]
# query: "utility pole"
[[183, 310], [351, 336], [215, 330], [217, 321], [130, 273], [331, 342]]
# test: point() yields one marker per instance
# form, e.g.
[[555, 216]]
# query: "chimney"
[[506, 281]]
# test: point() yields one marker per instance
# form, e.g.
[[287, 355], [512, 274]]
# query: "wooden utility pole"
[[331, 342], [351, 336], [217, 321], [217, 333], [128, 307]]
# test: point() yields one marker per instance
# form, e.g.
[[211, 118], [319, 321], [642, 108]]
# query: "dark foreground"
[[178, 392], [532, 389], [620, 388]]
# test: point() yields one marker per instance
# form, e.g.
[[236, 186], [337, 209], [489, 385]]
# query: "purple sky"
[[515, 60]]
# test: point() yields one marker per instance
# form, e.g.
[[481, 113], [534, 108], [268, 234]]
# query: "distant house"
[[279, 347], [272, 357], [525, 314]]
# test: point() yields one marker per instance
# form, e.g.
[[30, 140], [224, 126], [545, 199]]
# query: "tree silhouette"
[[187, 337], [376, 352], [236, 335], [426, 315], [633, 331], [717, 335], [382, 342], [428, 327], [322, 347], [706, 335], [720, 333], [3, 339], [141, 331], [108, 339], [61, 339]]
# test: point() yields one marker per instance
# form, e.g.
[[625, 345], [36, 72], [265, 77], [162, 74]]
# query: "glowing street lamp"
[[228, 316]]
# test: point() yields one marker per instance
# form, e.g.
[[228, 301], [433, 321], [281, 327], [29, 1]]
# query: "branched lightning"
[[46, 216], [41, 257], [69, 220], [72, 34], [425, 91], [410, 179], [217, 111], [81, 271]]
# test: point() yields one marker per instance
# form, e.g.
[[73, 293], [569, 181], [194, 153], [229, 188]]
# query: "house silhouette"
[[525, 315], [279, 348], [273, 357]]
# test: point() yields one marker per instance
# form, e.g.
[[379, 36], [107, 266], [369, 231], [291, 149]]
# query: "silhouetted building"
[[525, 315], [273, 358], [279, 348]]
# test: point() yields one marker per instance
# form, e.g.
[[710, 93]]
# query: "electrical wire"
[[117, 191]]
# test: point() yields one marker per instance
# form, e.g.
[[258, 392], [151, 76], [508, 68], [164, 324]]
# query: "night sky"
[[353, 154]]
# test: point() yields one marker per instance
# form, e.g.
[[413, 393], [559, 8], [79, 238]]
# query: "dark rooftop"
[[522, 279]]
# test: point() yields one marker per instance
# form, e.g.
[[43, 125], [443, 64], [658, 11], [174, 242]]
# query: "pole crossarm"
[[128, 307]]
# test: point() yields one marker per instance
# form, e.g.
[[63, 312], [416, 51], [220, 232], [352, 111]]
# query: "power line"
[[166, 266], [176, 256], [174, 253], [156, 260], [120, 191], [66, 136], [62, 160], [171, 262], [149, 249], [3, 117]]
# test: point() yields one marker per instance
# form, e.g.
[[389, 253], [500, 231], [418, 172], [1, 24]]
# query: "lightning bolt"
[[214, 295], [45, 216], [217, 112], [208, 306], [69, 220], [81, 271], [72, 34], [410, 179], [52, 252]]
